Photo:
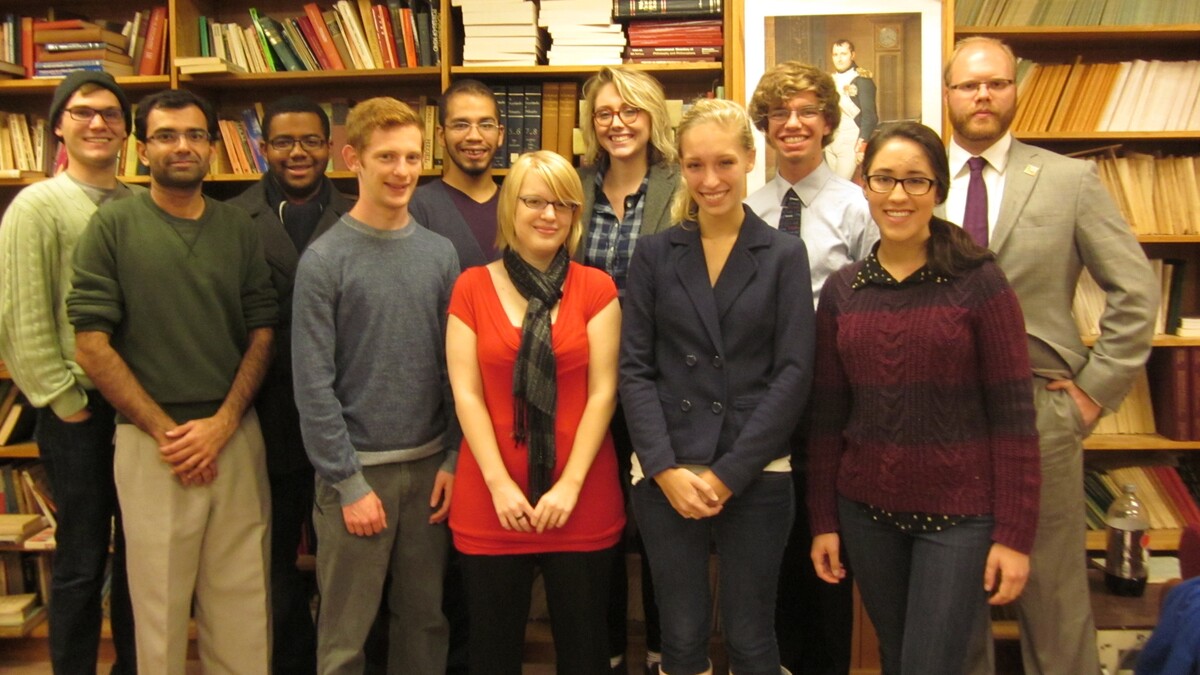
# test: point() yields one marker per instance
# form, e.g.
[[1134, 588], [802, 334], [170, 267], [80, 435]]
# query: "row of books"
[[23, 141], [53, 48], [639, 9], [1136, 414], [361, 36], [25, 491], [1089, 302], [1167, 500], [1176, 391], [536, 117], [1157, 195], [673, 41], [1137, 95], [17, 416], [1075, 12]]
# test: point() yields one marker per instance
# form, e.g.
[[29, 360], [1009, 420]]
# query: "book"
[[1171, 392], [263, 41], [500, 92], [374, 48], [514, 131], [324, 38], [381, 22], [16, 527], [156, 40], [284, 57], [334, 27], [91, 34], [18, 424], [532, 140], [299, 44], [313, 42], [115, 68], [550, 116], [255, 139], [43, 55], [16, 609], [568, 98], [628, 9]]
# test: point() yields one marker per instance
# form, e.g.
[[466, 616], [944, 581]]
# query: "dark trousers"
[[814, 620], [79, 463], [922, 590], [618, 596], [295, 634], [498, 591], [750, 534]]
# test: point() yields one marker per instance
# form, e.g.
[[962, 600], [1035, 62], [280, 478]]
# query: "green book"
[[266, 44], [205, 47]]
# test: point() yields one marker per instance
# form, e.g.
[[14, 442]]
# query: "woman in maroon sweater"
[[923, 455]]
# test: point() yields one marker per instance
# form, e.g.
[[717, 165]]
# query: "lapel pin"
[[1031, 170]]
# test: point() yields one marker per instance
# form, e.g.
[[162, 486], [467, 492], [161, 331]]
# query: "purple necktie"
[[789, 217], [975, 217]]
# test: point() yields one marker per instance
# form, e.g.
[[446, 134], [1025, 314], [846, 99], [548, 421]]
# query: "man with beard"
[[91, 114], [174, 316], [292, 205], [1048, 217], [461, 206], [859, 116]]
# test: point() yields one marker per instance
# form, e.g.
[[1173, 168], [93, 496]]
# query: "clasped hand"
[[692, 495], [191, 448]]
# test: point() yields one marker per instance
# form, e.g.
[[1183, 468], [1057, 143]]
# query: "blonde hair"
[[976, 41], [788, 79], [563, 181], [381, 112], [639, 90], [725, 114]]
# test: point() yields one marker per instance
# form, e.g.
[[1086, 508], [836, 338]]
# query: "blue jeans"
[[922, 590], [750, 534], [79, 463]]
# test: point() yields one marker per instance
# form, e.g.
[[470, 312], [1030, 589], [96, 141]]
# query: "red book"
[[156, 37], [324, 40], [314, 43], [387, 39], [1170, 391], [27, 45], [410, 39], [1193, 396], [62, 24], [1173, 485]]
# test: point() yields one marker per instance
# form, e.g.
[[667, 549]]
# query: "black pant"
[[295, 638], [814, 620], [498, 592]]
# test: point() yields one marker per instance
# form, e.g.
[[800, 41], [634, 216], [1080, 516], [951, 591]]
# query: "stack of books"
[[658, 41], [581, 33], [501, 33], [61, 47]]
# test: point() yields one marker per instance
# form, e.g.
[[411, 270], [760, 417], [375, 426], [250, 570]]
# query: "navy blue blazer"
[[716, 375]]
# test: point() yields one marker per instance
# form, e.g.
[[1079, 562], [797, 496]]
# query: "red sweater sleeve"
[[830, 402]]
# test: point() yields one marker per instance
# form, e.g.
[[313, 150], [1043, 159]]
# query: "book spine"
[[324, 39], [410, 37], [263, 41], [202, 27], [626, 9], [334, 27], [435, 31], [156, 33], [72, 46], [424, 16], [374, 53], [500, 92], [384, 36], [279, 45], [532, 141], [27, 45], [515, 136], [309, 32], [255, 139], [660, 52]]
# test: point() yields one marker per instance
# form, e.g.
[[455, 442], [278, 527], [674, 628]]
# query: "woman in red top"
[[532, 348]]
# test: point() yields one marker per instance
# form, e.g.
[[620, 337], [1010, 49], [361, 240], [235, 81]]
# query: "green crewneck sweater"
[[178, 296]]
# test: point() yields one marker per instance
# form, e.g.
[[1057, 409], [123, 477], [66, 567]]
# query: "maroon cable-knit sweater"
[[923, 399]]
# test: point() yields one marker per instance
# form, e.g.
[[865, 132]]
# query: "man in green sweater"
[[174, 314], [91, 114]]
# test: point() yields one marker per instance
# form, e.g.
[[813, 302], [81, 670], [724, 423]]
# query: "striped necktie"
[[789, 218]]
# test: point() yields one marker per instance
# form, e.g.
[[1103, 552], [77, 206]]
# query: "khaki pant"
[[210, 543]]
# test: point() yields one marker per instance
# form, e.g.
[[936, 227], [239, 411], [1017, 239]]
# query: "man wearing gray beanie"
[[38, 233]]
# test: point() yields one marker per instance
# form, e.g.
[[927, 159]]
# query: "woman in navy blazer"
[[716, 363]]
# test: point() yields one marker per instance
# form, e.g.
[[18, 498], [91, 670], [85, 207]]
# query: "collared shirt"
[[993, 180], [873, 272], [836, 226], [610, 242]]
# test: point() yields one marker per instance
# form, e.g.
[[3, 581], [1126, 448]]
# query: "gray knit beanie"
[[71, 83]]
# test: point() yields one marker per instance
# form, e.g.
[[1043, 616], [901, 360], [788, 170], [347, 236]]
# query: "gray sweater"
[[368, 350]]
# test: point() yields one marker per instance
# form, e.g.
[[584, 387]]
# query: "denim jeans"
[[922, 590], [750, 533], [79, 463]]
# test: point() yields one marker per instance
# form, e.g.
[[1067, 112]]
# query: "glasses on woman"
[[539, 204], [913, 186], [628, 115]]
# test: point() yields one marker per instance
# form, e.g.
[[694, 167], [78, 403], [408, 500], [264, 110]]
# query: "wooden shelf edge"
[[1102, 442], [576, 71], [1160, 540], [1150, 32], [313, 77], [46, 85], [27, 450], [1105, 136]]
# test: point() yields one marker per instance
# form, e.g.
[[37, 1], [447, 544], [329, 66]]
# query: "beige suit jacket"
[[1055, 219]]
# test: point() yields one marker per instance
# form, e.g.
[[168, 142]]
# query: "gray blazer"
[[1055, 219], [656, 216], [276, 405]]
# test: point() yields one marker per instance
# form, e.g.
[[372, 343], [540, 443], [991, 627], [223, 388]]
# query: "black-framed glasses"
[[783, 115], [628, 115], [286, 143], [486, 127], [995, 85], [171, 137], [83, 113], [913, 186], [539, 204]]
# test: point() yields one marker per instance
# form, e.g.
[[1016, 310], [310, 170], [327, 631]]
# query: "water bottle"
[[1126, 559]]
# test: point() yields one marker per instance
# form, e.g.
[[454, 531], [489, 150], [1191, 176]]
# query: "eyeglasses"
[[628, 115], [784, 115], [539, 204], [995, 85], [171, 137], [85, 114], [485, 128], [913, 186], [286, 143]]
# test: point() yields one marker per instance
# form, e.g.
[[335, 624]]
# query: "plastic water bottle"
[[1126, 560]]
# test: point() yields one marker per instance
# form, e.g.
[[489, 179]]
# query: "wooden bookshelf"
[[1096, 35], [1160, 540], [27, 450], [38, 618]]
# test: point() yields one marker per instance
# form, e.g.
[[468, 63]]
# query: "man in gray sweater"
[[368, 354]]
